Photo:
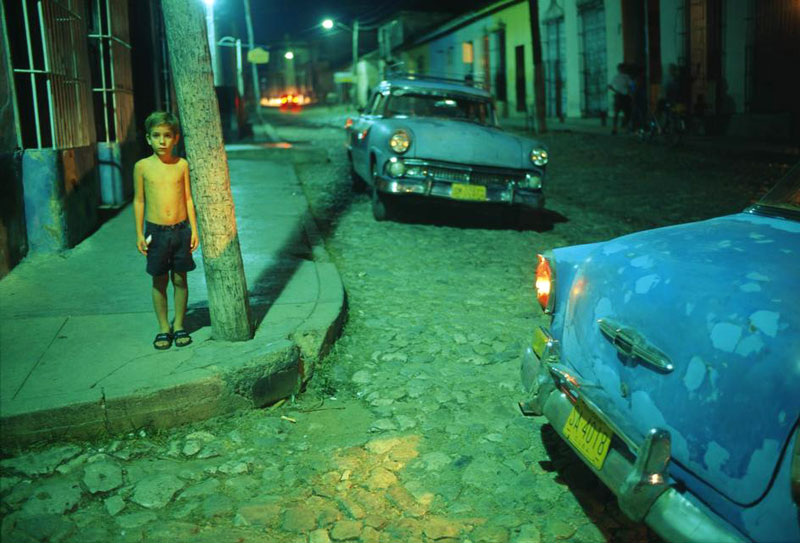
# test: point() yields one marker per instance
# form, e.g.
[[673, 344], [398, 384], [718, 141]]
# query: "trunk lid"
[[719, 299]]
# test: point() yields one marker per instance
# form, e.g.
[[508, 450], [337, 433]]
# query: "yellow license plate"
[[588, 434], [468, 192], [539, 341]]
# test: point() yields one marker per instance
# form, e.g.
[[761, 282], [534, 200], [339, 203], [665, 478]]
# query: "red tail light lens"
[[348, 123], [544, 284]]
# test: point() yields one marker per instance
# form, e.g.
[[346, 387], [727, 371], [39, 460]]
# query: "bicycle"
[[668, 125]]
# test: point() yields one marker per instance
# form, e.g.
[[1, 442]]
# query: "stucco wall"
[[61, 196]]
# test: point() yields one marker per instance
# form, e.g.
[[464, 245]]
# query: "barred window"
[[47, 39], [110, 60]]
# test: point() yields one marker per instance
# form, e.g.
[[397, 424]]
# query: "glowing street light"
[[327, 24], [288, 55]]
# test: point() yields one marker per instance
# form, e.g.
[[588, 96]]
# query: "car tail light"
[[545, 284], [348, 123]]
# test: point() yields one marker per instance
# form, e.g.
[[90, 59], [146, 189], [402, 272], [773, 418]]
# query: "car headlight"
[[396, 167], [539, 156], [531, 182], [400, 141]]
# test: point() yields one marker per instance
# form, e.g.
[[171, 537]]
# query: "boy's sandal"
[[182, 338], [163, 341]]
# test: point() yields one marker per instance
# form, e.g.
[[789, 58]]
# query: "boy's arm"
[[187, 190], [138, 207]]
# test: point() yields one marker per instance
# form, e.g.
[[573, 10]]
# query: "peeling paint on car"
[[644, 284], [644, 261], [755, 276], [750, 287], [766, 321], [695, 373], [716, 456], [725, 336], [611, 248]]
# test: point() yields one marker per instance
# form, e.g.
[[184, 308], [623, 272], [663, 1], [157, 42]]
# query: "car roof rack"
[[392, 73]]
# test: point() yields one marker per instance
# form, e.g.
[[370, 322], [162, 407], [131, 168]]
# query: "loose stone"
[[344, 530], [155, 492], [102, 476], [114, 505]]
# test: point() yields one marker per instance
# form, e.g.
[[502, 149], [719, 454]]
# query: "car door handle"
[[632, 344]]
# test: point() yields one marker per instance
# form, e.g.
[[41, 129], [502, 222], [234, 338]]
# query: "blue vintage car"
[[440, 138], [671, 365]]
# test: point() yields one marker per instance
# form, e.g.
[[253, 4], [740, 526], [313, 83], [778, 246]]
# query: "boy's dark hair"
[[162, 117]]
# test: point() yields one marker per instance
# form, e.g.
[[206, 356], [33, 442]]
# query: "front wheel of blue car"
[[382, 208], [358, 183]]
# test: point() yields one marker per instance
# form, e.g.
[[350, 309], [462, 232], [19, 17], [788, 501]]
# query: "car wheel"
[[381, 204], [358, 183]]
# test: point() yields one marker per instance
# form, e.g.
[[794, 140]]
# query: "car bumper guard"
[[643, 488]]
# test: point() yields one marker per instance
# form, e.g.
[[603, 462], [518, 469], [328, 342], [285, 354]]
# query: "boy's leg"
[[160, 301], [181, 291]]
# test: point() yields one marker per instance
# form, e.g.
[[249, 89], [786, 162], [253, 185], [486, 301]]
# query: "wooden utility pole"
[[190, 62], [538, 67]]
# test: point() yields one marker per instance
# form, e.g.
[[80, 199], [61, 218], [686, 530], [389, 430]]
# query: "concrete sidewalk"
[[76, 329]]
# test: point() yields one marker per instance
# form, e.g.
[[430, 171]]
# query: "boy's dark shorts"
[[170, 249]]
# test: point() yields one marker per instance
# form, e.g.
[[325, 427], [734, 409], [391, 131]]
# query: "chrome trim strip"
[[632, 344]]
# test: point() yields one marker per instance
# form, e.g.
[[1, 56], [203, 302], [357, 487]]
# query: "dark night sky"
[[273, 20]]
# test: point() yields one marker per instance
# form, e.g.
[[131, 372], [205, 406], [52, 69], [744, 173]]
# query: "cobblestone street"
[[409, 431]]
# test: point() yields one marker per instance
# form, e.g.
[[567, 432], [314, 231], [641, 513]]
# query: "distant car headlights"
[[400, 141], [539, 156]]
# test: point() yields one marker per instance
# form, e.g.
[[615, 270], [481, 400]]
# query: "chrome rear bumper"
[[643, 488]]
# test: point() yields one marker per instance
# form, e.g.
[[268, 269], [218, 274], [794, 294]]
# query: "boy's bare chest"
[[163, 177]]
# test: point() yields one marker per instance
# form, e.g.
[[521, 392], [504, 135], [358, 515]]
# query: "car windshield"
[[785, 196], [465, 108]]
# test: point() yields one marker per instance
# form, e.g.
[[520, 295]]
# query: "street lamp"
[[288, 55], [328, 24]]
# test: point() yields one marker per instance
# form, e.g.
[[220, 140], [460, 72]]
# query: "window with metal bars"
[[110, 61], [47, 42]]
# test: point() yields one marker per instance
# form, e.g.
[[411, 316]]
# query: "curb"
[[217, 380]]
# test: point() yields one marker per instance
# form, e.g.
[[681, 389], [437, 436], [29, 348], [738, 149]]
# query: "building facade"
[[730, 57], [69, 142]]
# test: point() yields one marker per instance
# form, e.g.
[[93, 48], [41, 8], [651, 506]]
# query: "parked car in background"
[[439, 138], [671, 365]]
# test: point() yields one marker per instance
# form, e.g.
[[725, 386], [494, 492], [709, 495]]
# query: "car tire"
[[358, 183], [382, 208]]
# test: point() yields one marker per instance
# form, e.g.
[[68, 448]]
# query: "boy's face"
[[162, 139]]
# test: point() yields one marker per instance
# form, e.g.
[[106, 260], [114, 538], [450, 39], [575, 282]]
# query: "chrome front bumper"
[[643, 488], [502, 186], [443, 189]]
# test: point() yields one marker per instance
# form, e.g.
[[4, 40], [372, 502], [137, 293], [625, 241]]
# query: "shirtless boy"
[[166, 228]]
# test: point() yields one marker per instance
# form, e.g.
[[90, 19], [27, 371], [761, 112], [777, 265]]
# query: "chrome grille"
[[446, 174], [439, 173]]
